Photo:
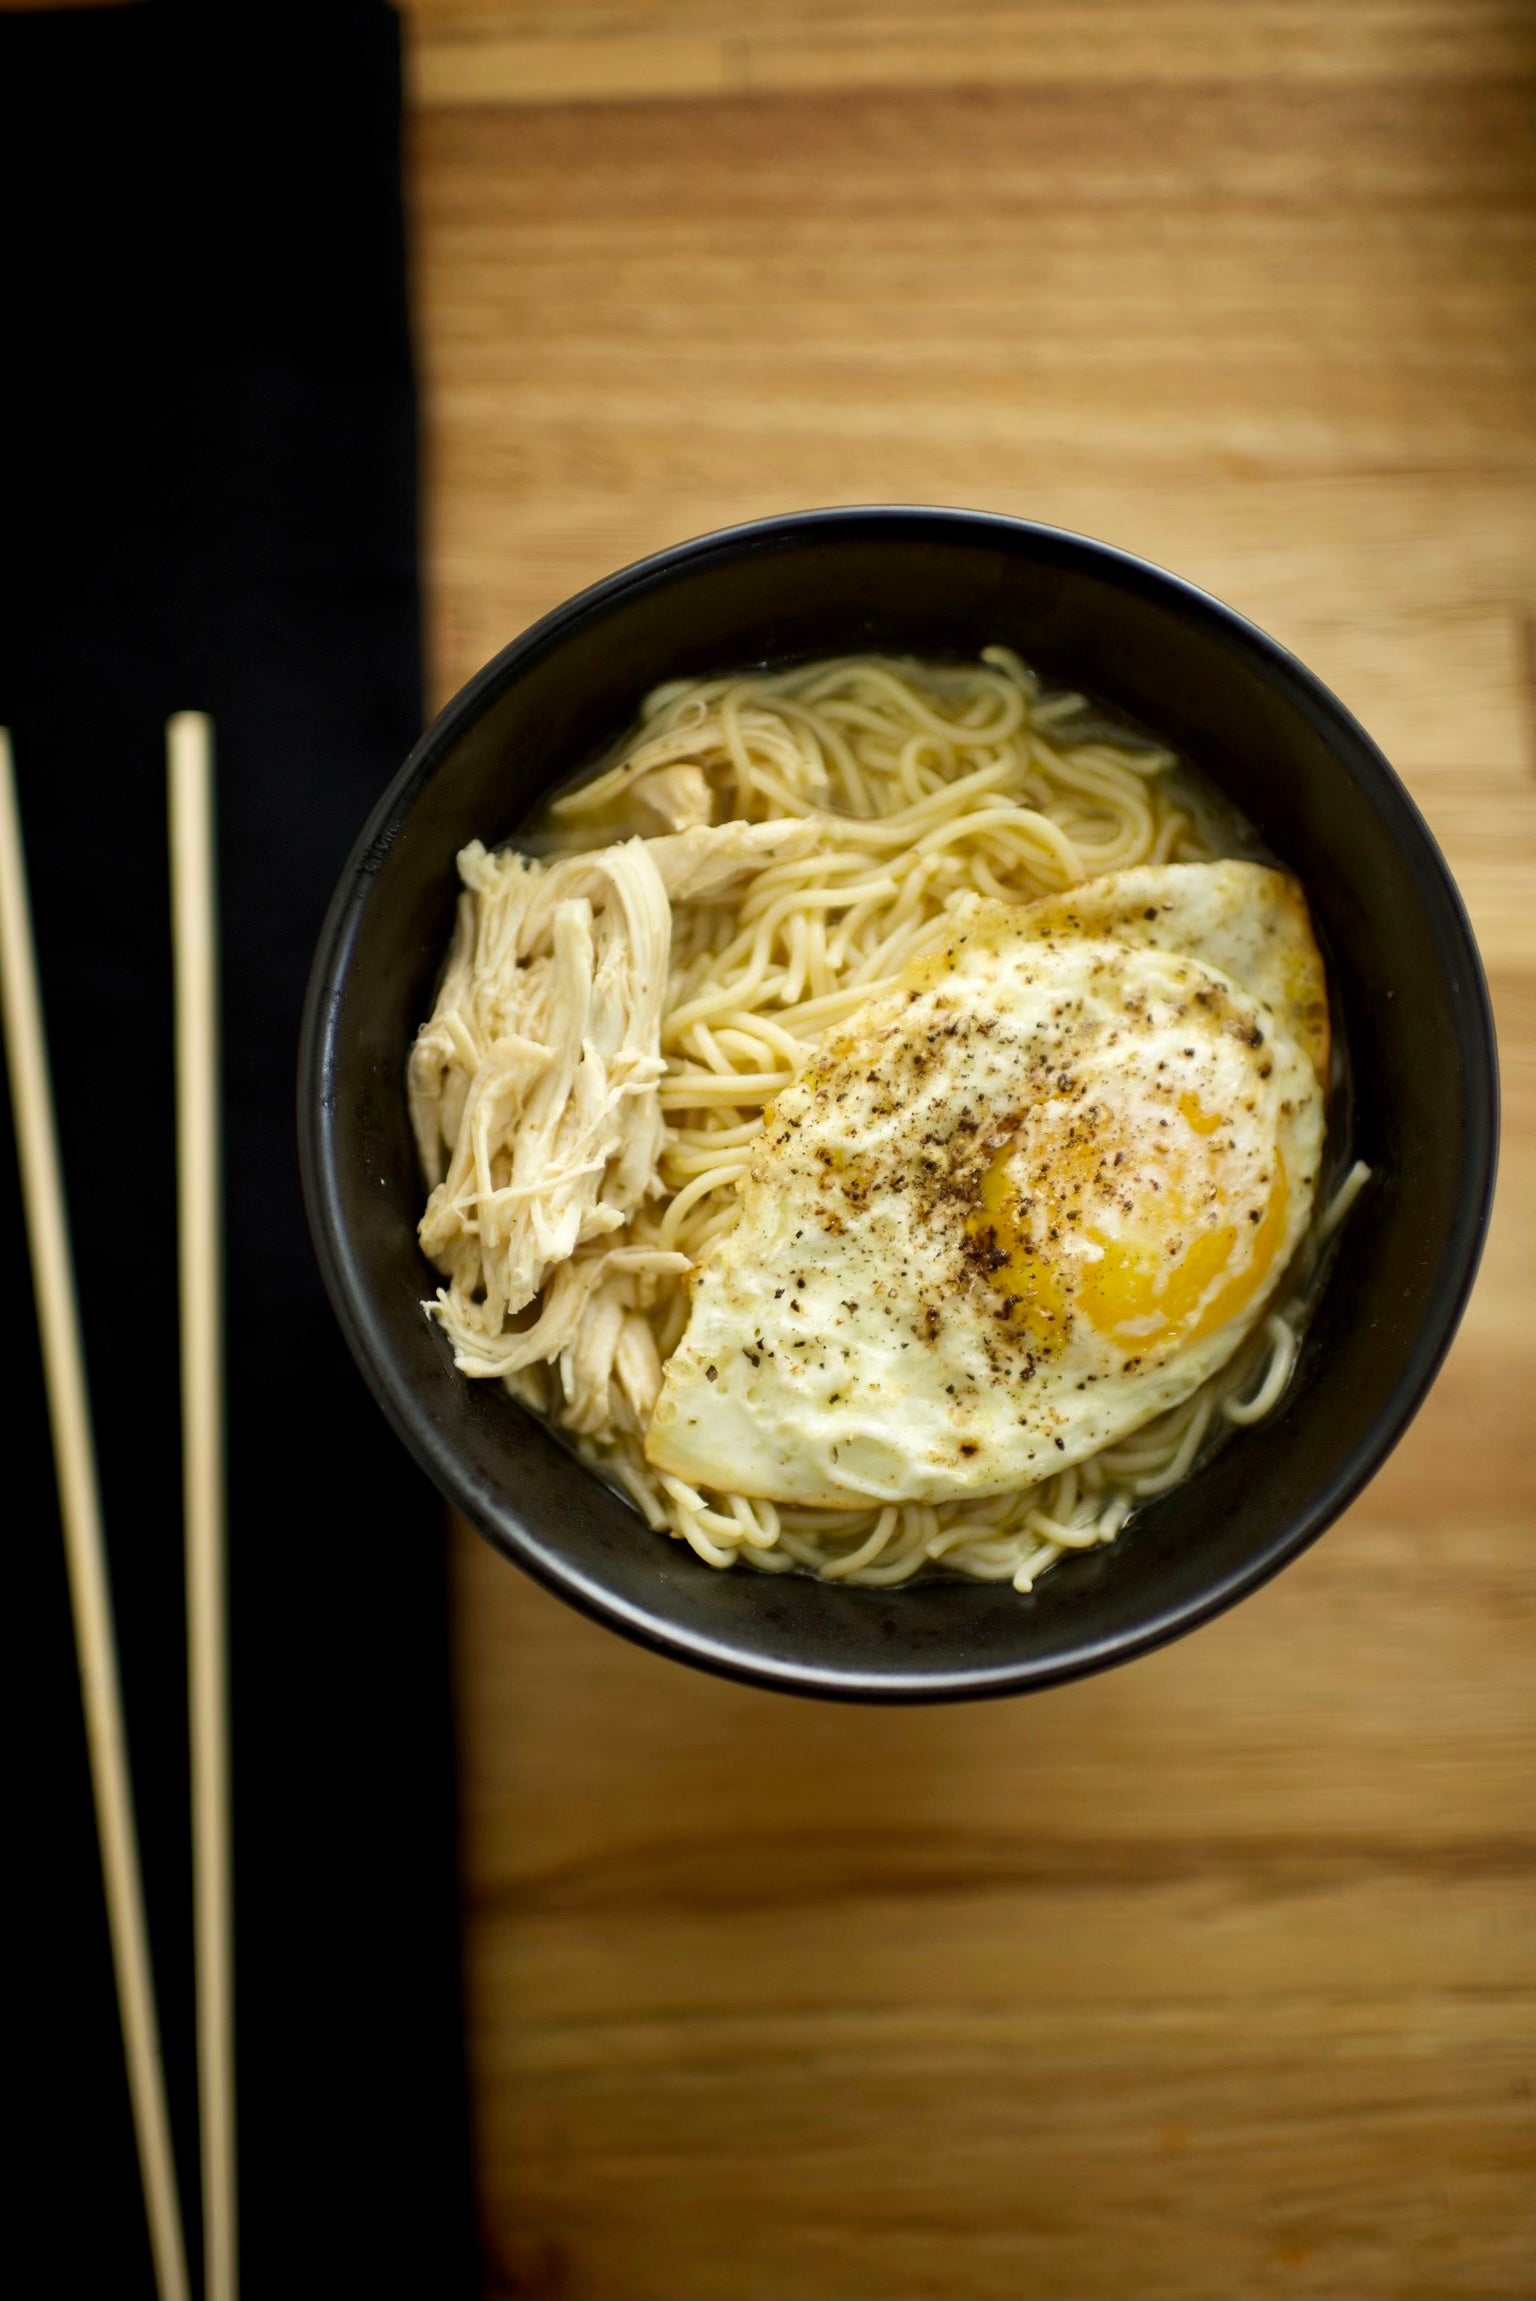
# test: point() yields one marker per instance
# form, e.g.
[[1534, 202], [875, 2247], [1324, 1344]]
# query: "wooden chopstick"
[[189, 765], [58, 1320]]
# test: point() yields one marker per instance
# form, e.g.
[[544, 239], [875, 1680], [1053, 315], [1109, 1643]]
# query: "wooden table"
[[1213, 1976]]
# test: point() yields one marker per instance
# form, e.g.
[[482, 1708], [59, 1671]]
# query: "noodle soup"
[[727, 938]]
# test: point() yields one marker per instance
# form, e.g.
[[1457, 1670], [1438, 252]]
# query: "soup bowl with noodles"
[[898, 1104]]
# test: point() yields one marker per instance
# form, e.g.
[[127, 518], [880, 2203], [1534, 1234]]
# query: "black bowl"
[[1411, 1002]]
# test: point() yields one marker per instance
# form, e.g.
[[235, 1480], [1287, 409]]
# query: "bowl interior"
[[1410, 1000]]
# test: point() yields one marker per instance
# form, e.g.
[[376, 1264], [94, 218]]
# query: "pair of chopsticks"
[[189, 747]]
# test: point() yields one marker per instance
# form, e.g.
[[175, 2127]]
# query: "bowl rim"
[[345, 1279]]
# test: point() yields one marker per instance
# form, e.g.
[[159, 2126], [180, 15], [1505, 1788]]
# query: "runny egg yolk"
[[1138, 1296], [1203, 1121], [1015, 1265], [1167, 1277]]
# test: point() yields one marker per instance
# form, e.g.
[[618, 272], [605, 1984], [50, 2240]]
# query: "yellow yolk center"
[[1140, 1297], [1124, 1284], [1024, 1275]]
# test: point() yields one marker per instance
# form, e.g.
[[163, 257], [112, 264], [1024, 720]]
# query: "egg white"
[[1248, 921]]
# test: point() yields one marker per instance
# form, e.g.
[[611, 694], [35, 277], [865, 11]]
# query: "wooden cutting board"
[[1214, 1976]]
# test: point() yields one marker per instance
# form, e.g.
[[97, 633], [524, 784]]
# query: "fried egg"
[[1024, 1200]]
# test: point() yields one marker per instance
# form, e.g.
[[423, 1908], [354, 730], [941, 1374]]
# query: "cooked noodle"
[[883, 791]]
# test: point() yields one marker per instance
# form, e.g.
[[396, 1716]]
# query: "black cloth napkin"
[[209, 502]]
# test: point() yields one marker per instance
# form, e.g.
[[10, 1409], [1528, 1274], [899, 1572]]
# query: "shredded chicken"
[[649, 769], [533, 1098], [700, 864], [671, 799]]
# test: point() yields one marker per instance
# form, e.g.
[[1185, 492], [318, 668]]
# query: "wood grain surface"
[[1214, 1976]]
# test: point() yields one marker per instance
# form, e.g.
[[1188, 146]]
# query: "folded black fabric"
[[209, 502]]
